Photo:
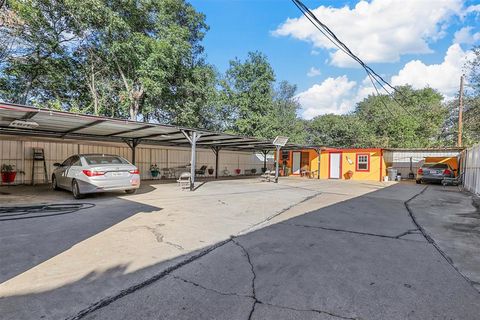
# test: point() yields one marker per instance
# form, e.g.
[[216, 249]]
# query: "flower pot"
[[154, 173], [210, 171], [348, 175], [237, 171], [8, 177]]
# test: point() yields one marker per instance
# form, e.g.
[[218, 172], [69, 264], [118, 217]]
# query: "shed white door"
[[335, 165], [296, 162]]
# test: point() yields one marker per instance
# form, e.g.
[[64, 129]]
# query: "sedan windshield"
[[99, 159]]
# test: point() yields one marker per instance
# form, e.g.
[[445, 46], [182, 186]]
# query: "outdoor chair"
[[313, 174], [226, 173], [201, 171], [184, 180]]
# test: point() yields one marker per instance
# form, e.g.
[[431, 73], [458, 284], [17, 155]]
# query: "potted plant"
[[238, 170], [8, 173], [210, 171], [154, 170], [254, 171]]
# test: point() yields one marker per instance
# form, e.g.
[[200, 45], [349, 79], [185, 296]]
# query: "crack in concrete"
[[108, 300], [430, 240], [257, 301], [160, 237], [347, 231], [210, 289], [252, 227], [254, 277], [177, 246], [410, 231], [310, 310]]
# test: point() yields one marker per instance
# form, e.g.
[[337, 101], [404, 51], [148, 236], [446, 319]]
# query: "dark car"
[[434, 172]]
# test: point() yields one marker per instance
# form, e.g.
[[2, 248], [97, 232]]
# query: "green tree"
[[341, 131], [409, 118], [283, 118], [471, 116], [248, 93], [39, 67], [140, 59], [252, 105]]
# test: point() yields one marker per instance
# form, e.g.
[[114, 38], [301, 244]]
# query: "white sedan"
[[92, 173]]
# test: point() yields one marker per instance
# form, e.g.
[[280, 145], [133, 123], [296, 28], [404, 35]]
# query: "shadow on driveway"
[[33, 233], [358, 259]]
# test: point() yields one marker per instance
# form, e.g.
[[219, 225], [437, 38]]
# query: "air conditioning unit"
[[23, 124]]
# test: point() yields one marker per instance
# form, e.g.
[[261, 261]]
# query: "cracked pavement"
[[361, 258]]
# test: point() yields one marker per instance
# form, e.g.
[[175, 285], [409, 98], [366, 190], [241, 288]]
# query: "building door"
[[296, 162], [305, 161], [335, 165]]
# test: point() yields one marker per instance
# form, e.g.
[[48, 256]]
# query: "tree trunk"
[[93, 91], [137, 96]]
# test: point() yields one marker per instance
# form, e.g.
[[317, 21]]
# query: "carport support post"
[[277, 164], [133, 145], [319, 152], [216, 150], [265, 152], [192, 137]]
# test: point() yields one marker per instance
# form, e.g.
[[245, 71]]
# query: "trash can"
[[392, 174]]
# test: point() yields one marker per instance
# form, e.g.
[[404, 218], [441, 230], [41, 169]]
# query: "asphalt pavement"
[[362, 258]]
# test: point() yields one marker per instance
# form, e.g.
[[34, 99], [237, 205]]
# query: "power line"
[[330, 35]]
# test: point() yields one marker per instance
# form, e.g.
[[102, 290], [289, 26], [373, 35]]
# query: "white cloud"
[[444, 77], [314, 52], [364, 90], [340, 95], [333, 95], [466, 36], [473, 9], [377, 31], [313, 72]]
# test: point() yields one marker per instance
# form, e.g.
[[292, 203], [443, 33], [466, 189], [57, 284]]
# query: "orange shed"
[[335, 163]]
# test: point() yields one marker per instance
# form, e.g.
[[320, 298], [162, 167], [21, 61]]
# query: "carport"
[[20, 120]]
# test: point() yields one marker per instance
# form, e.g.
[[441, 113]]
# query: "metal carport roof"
[[66, 125]]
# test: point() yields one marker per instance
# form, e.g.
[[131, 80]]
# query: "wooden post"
[[460, 113], [319, 152]]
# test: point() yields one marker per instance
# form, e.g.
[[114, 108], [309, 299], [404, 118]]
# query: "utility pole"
[[460, 113]]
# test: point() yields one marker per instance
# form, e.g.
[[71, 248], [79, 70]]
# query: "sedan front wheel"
[[54, 183]]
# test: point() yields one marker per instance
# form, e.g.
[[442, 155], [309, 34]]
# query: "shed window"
[[363, 162]]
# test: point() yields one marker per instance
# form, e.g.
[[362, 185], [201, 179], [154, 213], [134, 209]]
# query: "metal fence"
[[19, 153], [471, 169]]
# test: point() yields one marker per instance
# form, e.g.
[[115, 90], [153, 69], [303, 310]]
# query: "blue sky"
[[418, 42]]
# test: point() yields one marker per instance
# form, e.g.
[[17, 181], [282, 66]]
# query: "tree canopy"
[[144, 60]]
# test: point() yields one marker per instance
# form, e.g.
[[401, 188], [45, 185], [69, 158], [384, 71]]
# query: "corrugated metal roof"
[[66, 125]]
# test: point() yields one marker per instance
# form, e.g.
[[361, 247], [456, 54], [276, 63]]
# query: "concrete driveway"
[[302, 249]]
